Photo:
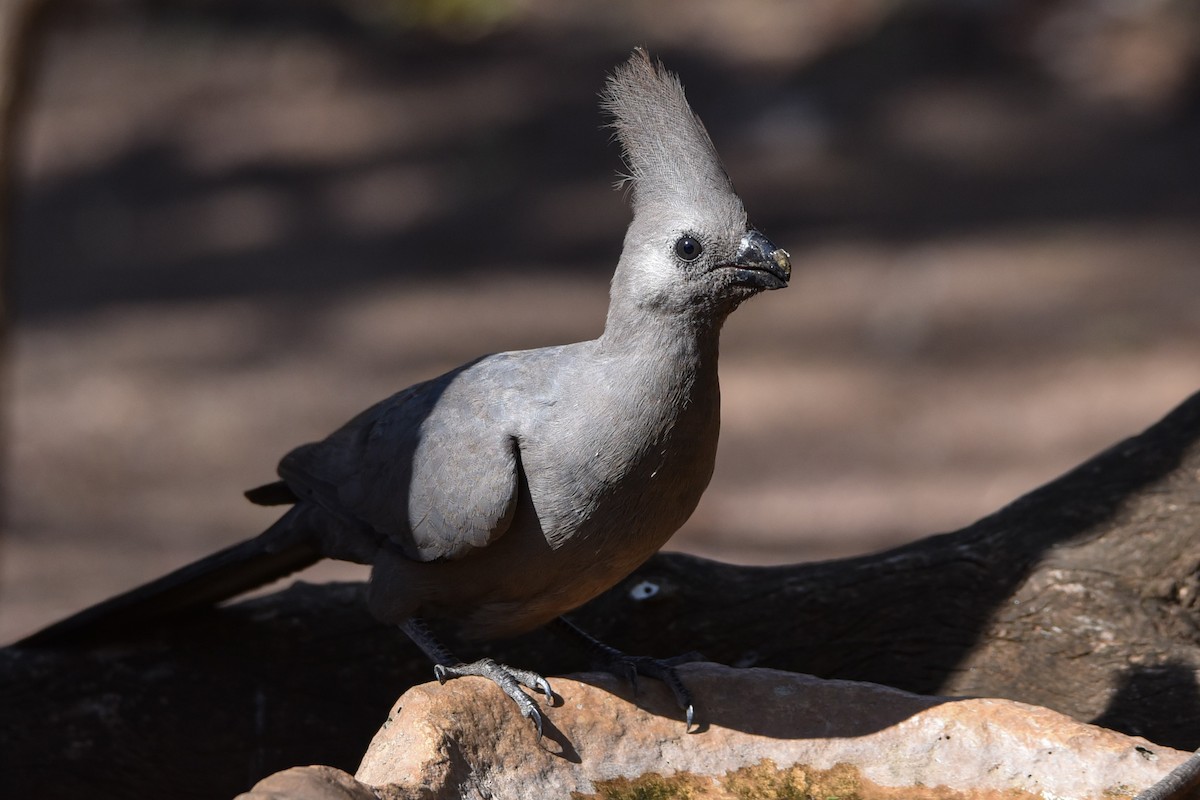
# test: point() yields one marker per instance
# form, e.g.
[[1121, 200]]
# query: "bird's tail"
[[282, 549]]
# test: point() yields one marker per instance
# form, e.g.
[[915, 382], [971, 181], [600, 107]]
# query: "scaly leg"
[[509, 679], [632, 666]]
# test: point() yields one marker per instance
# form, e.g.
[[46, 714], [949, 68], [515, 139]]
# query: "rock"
[[309, 783], [762, 733]]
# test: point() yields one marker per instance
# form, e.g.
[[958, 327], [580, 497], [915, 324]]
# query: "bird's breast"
[[630, 480]]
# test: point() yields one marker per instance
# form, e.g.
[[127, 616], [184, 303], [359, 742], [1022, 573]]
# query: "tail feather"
[[279, 551], [277, 493]]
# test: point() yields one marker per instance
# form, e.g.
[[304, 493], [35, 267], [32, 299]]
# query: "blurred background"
[[236, 223]]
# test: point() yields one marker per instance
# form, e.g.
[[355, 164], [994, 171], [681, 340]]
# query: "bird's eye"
[[688, 248]]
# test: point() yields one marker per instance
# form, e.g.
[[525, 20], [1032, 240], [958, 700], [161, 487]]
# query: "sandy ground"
[[233, 235]]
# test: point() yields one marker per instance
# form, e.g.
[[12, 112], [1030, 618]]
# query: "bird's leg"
[[631, 666], [509, 679]]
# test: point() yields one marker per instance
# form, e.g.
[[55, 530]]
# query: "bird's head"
[[689, 247]]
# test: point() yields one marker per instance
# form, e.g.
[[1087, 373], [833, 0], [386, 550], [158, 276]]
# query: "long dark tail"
[[280, 550]]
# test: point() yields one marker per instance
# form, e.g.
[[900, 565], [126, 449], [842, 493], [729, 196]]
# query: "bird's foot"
[[661, 669], [509, 679], [630, 667]]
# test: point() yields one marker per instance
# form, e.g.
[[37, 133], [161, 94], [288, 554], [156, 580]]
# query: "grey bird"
[[515, 488]]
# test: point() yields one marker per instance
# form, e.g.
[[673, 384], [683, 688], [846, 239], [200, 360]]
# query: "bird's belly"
[[513, 613], [552, 575]]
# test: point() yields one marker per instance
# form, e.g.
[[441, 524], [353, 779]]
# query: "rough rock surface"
[[763, 733], [310, 783]]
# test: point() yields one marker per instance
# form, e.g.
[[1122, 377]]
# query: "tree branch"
[[1080, 596]]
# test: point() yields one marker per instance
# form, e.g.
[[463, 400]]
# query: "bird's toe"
[[509, 679], [665, 671]]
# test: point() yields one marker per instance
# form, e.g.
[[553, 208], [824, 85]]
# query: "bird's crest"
[[668, 153]]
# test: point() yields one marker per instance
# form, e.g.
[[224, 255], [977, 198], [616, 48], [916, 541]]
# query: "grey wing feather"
[[425, 468]]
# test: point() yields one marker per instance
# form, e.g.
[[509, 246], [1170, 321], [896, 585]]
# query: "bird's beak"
[[761, 264]]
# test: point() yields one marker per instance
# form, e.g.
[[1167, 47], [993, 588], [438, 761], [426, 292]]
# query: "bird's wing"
[[429, 468]]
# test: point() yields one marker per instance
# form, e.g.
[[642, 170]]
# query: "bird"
[[511, 490]]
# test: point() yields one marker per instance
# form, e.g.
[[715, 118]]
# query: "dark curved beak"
[[759, 263]]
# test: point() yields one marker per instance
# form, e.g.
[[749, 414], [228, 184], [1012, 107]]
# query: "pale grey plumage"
[[671, 159], [521, 485]]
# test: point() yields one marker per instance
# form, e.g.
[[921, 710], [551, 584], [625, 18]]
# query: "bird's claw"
[[509, 679], [631, 674], [623, 664], [662, 670], [535, 717]]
